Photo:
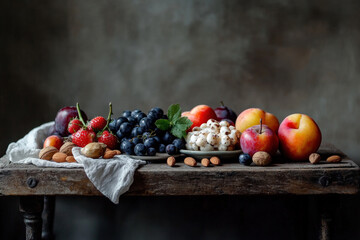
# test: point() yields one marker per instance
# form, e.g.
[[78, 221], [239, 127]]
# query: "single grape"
[[132, 120], [140, 149], [126, 113], [161, 148], [157, 139], [120, 135], [140, 116], [159, 112], [126, 128], [125, 139], [137, 140], [171, 149], [150, 143], [146, 123], [151, 151], [134, 132], [112, 126], [152, 117], [179, 143], [167, 138], [120, 121], [128, 147], [135, 112], [245, 159]]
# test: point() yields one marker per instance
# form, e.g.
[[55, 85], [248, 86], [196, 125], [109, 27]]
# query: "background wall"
[[282, 56]]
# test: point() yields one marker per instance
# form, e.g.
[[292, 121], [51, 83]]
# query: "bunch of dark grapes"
[[139, 136]]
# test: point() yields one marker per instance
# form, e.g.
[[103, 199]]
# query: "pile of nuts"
[[190, 161], [97, 150], [64, 154]]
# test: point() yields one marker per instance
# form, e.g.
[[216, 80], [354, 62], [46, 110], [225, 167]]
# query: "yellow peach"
[[251, 117]]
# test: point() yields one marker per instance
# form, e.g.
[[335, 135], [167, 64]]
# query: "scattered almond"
[[314, 158], [109, 154], [205, 162], [67, 148], [70, 159], [47, 153], [215, 161], [334, 159], [261, 158], [190, 161], [170, 161], [117, 152], [59, 157]]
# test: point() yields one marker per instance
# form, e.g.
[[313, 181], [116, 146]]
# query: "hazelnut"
[[261, 158], [47, 152]]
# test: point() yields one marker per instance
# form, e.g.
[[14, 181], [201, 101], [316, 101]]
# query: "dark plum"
[[223, 112], [64, 116]]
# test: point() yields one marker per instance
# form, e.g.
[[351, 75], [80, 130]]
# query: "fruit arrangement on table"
[[205, 134]]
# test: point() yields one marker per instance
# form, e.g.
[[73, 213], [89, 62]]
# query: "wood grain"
[[160, 179]]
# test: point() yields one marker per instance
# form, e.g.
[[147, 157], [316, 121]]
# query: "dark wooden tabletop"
[[159, 179]]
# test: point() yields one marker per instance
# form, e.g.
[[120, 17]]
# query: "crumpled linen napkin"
[[112, 177]]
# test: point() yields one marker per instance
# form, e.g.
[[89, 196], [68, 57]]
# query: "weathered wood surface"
[[160, 179]]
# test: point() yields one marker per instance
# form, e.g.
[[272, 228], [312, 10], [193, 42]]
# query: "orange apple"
[[199, 115], [54, 141], [251, 117], [299, 136]]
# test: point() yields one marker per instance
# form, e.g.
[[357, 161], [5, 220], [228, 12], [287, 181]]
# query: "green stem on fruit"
[[109, 117], [79, 113], [260, 125]]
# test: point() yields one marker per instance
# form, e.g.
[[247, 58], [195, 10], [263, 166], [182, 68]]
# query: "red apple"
[[199, 115], [259, 138], [54, 141], [299, 136]]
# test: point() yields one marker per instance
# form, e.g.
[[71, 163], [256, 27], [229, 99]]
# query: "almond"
[[48, 152], [205, 162], [59, 157], [261, 158], [117, 152], [170, 161], [314, 158], [109, 154], [70, 159], [190, 161], [215, 161], [334, 159], [67, 148]]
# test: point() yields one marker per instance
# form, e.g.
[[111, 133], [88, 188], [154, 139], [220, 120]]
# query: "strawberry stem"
[[109, 117], [79, 113]]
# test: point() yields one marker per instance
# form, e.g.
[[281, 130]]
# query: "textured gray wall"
[[283, 56]]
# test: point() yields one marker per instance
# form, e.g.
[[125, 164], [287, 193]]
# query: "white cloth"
[[112, 177]]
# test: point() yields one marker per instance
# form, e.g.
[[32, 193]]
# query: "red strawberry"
[[83, 137], [97, 124], [74, 125], [109, 139]]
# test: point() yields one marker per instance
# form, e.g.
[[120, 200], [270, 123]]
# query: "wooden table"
[[37, 187]]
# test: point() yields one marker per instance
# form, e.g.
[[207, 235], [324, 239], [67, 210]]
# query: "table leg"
[[324, 204], [48, 218], [31, 207]]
